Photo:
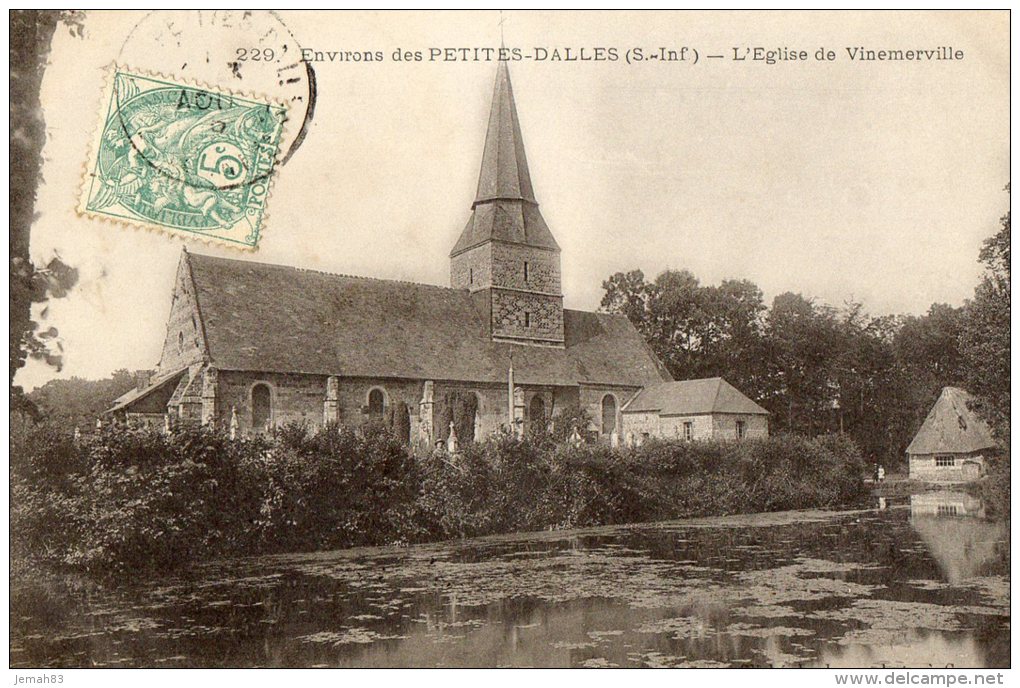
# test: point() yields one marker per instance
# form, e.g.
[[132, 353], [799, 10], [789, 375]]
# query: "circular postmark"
[[240, 51]]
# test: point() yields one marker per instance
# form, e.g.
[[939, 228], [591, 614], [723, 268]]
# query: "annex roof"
[[692, 397], [135, 395]]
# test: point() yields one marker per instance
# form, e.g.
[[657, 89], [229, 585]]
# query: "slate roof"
[[275, 318], [951, 427], [505, 208], [692, 397], [135, 395], [508, 221], [504, 172]]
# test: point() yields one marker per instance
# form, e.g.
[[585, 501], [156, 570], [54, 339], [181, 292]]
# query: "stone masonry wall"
[[922, 467], [529, 316], [502, 265], [669, 427], [301, 399], [543, 268], [590, 398], [472, 269], [724, 426], [183, 344], [295, 398], [703, 426]]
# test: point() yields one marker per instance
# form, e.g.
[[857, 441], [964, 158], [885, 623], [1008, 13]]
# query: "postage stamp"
[[183, 158]]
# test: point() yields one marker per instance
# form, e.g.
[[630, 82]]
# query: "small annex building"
[[694, 410], [953, 442]]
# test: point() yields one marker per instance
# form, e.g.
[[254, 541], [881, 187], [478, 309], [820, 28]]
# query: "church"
[[253, 346]]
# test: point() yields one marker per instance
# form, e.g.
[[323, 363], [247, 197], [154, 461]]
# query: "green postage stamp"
[[190, 160]]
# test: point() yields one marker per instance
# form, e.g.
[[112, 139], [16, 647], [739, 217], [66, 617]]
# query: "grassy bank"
[[127, 500]]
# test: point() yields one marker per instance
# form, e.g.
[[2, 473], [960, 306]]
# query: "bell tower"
[[506, 251]]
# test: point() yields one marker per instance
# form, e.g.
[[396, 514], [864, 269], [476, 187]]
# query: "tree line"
[[820, 369]]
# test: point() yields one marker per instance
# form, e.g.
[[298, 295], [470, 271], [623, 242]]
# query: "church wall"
[[591, 399], [524, 315], [564, 398], [300, 398], [183, 344], [493, 403], [667, 427], [508, 268], [295, 398], [472, 269], [353, 397]]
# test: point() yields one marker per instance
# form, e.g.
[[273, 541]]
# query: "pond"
[[917, 583]]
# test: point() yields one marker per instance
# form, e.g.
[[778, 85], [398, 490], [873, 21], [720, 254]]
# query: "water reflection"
[[900, 586], [946, 503], [951, 525]]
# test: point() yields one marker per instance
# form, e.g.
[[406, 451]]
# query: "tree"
[[801, 340], [984, 338], [31, 32], [401, 424], [732, 340], [697, 331], [76, 402], [928, 346], [460, 409], [627, 294]]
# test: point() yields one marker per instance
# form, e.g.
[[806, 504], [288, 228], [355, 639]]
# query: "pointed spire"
[[504, 173], [504, 208]]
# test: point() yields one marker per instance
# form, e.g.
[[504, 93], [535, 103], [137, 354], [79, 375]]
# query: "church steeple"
[[504, 173], [506, 249]]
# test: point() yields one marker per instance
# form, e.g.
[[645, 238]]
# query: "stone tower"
[[506, 253]]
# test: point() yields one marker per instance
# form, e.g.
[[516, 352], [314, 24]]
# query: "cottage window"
[[608, 414], [741, 429], [261, 407], [947, 510], [688, 431], [376, 402], [945, 461], [527, 319]]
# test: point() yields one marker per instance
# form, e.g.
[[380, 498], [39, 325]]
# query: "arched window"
[[608, 414], [261, 407], [376, 403]]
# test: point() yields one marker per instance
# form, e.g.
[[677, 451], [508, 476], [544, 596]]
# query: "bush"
[[123, 499]]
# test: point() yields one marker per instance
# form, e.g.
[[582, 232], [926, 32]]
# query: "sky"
[[842, 180]]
